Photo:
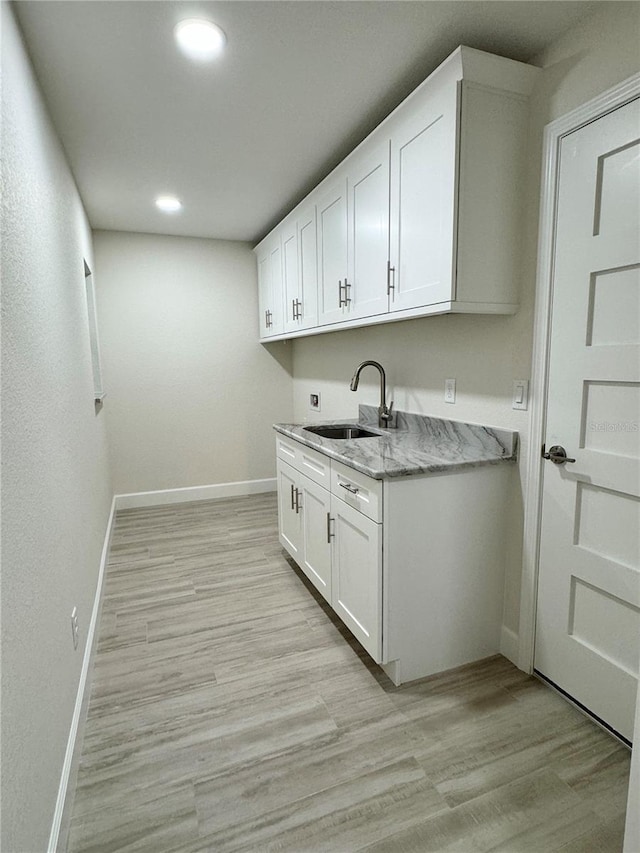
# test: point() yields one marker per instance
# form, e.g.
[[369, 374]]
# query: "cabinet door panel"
[[423, 184], [369, 232], [357, 575], [290, 276], [289, 521], [332, 250], [308, 267], [316, 556], [277, 294], [264, 293]]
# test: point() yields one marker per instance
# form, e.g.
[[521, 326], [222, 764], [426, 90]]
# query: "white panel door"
[[368, 243], [276, 299], [289, 513], [264, 292], [307, 267], [423, 183], [331, 206], [290, 275], [588, 619], [316, 549], [357, 574]]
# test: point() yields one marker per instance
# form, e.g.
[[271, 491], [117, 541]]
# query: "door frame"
[[554, 133]]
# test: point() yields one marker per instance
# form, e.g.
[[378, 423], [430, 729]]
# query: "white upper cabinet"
[[307, 267], [368, 235], [424, 216], [331, 206], [423, 180], [300, 269], [270, 287]]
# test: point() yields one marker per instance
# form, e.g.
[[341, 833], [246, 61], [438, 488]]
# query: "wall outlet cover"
[[314, 402], [449, 390]]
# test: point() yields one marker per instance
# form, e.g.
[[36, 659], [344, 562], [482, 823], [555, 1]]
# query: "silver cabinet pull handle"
[[329, 533], [340, 303], [293, 504], [557, 454], [298, 504], [347, 287], [353, 489], [294, 316], [390, 270]]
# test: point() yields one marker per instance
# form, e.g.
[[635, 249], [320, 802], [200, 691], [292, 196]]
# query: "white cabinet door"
[[307, 267], [270, 287], [368, 236], [316, 548], [264, 292], [290, 275], [289, 514], [423, 183], [357, 574], [277, 295], [331, 206]]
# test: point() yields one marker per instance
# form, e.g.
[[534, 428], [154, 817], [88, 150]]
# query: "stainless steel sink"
[[341, 432]]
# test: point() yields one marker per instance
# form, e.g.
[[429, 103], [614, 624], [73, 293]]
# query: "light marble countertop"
[[419, 444]]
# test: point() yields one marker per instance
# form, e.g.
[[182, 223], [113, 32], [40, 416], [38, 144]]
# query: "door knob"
[[557, 454]]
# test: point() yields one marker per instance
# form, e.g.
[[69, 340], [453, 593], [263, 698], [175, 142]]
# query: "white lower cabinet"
[[357, 574], [414, 566], [338, 548], [289, 518], [316, 549]]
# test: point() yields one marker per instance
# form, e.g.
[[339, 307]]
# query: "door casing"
[[554, 132]]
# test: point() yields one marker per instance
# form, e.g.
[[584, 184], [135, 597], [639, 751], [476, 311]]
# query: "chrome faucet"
[[384, 412]]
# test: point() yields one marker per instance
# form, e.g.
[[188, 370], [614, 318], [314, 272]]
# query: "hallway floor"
[[231, 711]]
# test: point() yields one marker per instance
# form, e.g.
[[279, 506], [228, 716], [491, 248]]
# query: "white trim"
[[509, 644], [553, 134], [195, 493], [63, 788]]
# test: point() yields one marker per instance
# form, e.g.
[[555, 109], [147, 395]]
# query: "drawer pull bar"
[[353, 489], [293, 504], [329, 533], [298, 504]]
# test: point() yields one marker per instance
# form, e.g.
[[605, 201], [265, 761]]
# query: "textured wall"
[[192, 394], [55, 485], [484, 354]]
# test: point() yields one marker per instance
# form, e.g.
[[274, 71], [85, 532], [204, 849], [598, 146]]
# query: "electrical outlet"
[[449, 390], [314, 402], [74, 627]]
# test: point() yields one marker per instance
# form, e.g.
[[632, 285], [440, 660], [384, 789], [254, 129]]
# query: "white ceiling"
[[242, 140]]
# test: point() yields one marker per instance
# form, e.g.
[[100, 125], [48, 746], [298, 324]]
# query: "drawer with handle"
[[305, 459], [358, 490]]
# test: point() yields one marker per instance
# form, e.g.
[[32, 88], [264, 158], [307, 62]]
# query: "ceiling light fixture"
[[199, 39], [168, 203]]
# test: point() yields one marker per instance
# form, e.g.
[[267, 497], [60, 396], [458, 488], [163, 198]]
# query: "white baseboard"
[[509, 644], [64, 792], [195, 493]]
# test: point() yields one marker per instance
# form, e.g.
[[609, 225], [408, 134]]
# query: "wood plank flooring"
[[231, 711]]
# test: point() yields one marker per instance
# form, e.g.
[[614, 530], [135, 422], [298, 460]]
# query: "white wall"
[[191, 393], [484, 354], [56, 492]]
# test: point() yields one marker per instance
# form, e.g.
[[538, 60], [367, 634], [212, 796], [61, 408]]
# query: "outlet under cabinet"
[[422, 218], [414, 566]]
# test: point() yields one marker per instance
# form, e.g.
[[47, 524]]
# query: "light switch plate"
[[520, 397], [449, 390]]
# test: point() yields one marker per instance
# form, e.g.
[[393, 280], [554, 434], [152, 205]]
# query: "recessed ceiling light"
[[168, 203], [199, 39]]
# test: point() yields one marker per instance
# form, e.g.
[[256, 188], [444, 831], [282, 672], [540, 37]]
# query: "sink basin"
[[341, 432]]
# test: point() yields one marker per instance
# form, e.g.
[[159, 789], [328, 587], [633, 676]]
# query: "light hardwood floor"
[[231, 711]]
